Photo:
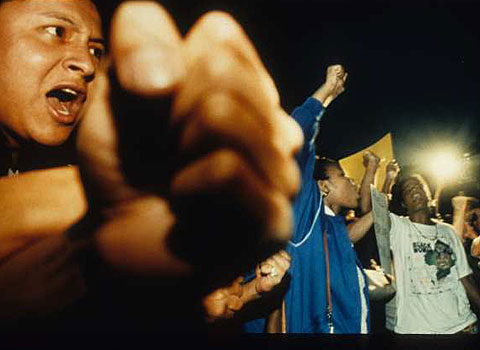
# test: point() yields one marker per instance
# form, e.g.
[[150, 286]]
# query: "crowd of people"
[[161, 186]]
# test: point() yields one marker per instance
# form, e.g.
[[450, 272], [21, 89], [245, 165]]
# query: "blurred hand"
[[194, 145], [224, 302], [271, 272], [40, 279]]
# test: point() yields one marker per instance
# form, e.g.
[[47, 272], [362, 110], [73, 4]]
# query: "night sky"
[[413, 67]]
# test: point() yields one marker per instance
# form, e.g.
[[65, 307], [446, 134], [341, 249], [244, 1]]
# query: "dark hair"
[[321, 166]]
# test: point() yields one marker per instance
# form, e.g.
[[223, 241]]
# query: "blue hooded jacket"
[[305, 300]]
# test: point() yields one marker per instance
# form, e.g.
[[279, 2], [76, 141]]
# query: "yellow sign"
[[353, 165]]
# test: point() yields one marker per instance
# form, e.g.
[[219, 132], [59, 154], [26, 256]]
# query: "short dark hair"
[[321, 166]]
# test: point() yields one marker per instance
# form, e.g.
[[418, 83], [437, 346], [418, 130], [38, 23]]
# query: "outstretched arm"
[[226, 302], [309, 114], [359, 228], [460, 206]]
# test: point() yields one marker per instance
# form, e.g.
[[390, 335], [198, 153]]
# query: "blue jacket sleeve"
[[308, 117], [305, 205]]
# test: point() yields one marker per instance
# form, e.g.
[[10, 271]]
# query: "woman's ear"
[[324, 188]]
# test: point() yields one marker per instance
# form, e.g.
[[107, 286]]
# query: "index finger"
[[220, 28], [146, 49]]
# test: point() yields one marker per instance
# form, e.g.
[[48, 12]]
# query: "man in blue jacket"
[[318, 301]]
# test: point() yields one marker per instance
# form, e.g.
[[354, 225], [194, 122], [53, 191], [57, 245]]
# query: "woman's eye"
[[56, 30], [96, 52]]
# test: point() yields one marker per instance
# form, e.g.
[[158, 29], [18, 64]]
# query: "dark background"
[[413, 70]]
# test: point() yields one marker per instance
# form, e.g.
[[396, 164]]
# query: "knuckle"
[[220, 27], [228, 165], [214, 110], [220, 68], [139, 13]]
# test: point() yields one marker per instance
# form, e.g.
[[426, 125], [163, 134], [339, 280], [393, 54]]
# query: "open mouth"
[[66, 103]]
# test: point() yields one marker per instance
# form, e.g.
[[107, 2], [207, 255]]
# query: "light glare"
[[445, 165]]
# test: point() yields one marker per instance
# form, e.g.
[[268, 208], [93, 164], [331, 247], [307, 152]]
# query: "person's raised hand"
[[393, 169], [334, 84], [370, 159], [184, 147]]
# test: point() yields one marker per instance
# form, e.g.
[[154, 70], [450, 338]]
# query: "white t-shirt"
[[429, 263]]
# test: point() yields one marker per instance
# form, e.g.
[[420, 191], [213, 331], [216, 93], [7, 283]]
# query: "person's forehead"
[[413, 181], [335, 170], [79, 13]]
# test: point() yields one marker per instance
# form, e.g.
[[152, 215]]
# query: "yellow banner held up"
[[353, 164]]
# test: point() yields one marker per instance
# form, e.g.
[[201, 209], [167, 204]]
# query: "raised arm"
[[359, 228], [460, 207], [309, 114], [370, 162]]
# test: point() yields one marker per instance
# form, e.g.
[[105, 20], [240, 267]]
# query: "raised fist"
[[370, 159], [335, 81], [184, 147], [393, 169], [333, 86]]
